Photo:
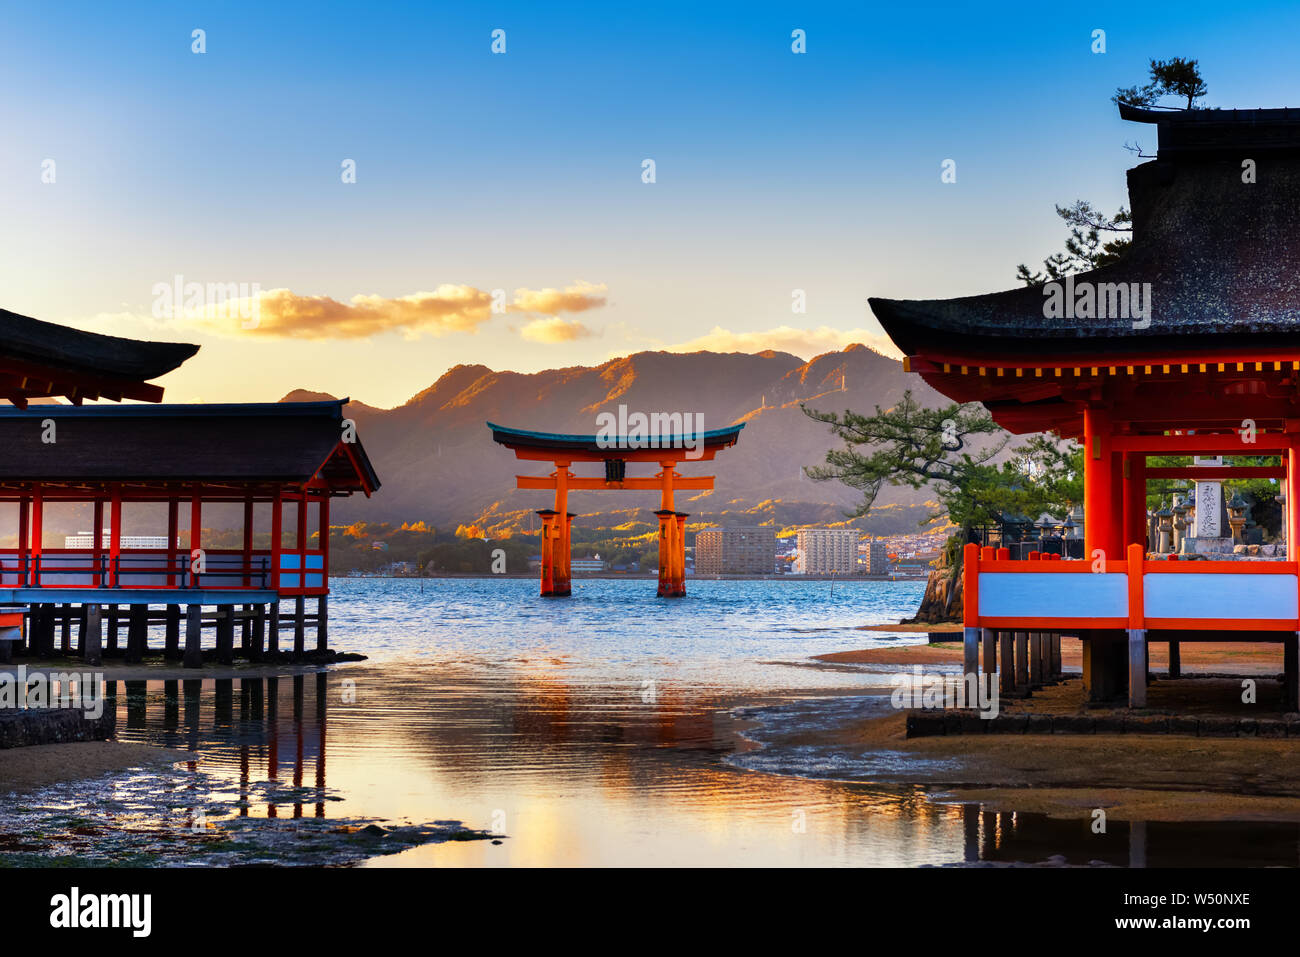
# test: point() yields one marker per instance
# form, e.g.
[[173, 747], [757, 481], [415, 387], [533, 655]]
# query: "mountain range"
[[438, 462]]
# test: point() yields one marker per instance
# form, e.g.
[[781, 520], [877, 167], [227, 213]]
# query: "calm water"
[[598, 730]]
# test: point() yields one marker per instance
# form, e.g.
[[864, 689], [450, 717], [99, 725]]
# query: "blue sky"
[[522, 171]]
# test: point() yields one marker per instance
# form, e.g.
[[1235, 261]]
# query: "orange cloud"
[[446, 310], [578, 297], [554, 329]]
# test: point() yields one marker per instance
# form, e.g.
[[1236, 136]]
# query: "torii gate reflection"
[[564, 450]]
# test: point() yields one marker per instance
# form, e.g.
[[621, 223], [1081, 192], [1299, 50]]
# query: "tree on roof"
[[1084, 247], [1175, 77], [910, 445]]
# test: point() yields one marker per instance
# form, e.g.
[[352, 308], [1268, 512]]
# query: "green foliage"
[[1175, 77], [909, 445], [1084, 248]]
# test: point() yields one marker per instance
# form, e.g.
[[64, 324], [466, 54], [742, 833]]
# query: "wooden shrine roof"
[[273, 442], [44, 359]]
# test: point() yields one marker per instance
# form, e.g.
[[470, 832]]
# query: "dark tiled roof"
[[271, 442], [89, 353], [1221, 256]]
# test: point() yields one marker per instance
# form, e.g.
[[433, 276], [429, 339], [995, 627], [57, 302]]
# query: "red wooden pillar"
[[23, 536], [38, 515], [1101, 523], [1293, 496], [196, 532], [114, 536], [325, 539], [97, 544], [173, 531], [548, 552], [277, 535], [248, 540], [680, 555], [667, 546]]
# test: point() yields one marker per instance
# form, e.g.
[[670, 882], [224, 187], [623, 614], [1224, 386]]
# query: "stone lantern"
[[1237, 518], [1180, 521], [1165, 524]]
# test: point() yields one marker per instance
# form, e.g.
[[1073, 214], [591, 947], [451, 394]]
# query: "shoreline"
[[1133, 777], [23, 770]]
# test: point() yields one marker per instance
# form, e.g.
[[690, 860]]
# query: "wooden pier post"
[[81, 631], [65, 632], [1035, 659], [1057, 670], [92, 636], [172, 633], [990, 640], [273, 629], [970, 655], [193, 636], [137, 634], [226, 634], [1175, 660], [112, 628], [246, 631], [259, 632], [1137, 668], [1022, 661], [299, 625], [322, 623], [1006, 653], [1291, 672]]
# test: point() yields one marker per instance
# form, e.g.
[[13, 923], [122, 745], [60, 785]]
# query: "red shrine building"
[[276, 465], [1189, 345]]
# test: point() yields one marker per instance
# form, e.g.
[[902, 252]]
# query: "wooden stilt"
[[1137, 673], [137, 634], [92, 637], [273, 630], [193, 636], [112, 628], [299, 626], [322, 623], [1057, 670], [226, 634], [1035, 659], [1291, 672], [246, 631], [172, 633], [81, 631], [65, 629], [1006, 653], [1175, 660], [259, 632], [1022, 662], [990, 641], [970, 654]]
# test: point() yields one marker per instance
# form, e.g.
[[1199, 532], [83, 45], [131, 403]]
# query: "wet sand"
[[1133, 776], [25, 769], [1246, 658]]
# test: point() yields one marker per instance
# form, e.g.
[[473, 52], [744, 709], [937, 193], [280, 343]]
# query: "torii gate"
[[564, 450]]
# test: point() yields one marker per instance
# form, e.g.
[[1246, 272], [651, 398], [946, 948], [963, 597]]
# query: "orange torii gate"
[[615, 452]]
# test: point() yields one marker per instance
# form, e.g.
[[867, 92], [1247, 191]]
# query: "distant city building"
[[595, 564], [87, 540], [877, 558], [742, 550], [827, 551]]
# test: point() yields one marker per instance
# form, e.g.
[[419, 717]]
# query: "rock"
[[1039, 724], [1217, 728], [1074, 724], [1146, 724], [1270, 728]]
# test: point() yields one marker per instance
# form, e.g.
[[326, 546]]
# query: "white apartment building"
[[827, 551]]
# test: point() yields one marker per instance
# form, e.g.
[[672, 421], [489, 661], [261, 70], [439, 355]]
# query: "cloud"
[[804, 343], [578, 297], [446, 310], [554, 329]]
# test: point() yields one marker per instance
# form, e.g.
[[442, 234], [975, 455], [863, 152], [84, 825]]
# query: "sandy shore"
[[1132, 776], [25, 769], [1245, 658]]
